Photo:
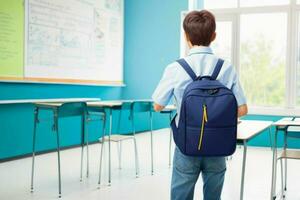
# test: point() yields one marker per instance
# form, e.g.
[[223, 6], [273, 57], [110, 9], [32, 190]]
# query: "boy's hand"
[[242, 110], [158, 107]]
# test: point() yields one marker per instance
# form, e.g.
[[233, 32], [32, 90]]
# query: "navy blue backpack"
[[208, 116]]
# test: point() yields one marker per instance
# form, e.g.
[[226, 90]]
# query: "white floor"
[[15, 175]]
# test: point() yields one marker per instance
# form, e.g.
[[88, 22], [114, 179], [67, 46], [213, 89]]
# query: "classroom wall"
[[145, 22], [151, 42], [149, 49], [16, 121]]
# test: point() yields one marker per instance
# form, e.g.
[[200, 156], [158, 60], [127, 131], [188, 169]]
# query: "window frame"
[[292, 11]]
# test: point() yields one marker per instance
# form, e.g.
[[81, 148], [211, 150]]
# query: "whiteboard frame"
[[65, 81], [60, 82]]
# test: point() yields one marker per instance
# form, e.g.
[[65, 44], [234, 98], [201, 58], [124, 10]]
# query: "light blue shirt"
[[203, 62]]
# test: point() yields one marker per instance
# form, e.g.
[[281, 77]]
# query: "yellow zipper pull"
[[204, 120], [205, 113]]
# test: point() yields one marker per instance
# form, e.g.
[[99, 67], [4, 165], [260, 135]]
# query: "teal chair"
[[118, 139], [144, 107], [291, 133], [133, 107], [60, 110], [96, 114]]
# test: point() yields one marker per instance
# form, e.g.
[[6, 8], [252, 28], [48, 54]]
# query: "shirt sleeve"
[[164, 90], [237, 89]]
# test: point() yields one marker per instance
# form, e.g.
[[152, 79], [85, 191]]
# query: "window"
[[262, 39], [262, 58], [298, 65], [212, 4], [254, 3], [222, 46]]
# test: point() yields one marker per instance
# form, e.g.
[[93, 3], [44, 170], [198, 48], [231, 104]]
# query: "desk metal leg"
[[86, 133], [243, 170], [109, 147], [285, 161], [102, 149], [58, 151], [170, 141], [82, 146], [151, 135], [36, 112], [274, 167], [119, 144]]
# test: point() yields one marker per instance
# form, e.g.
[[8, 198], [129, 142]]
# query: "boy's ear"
[[213, 37], [188, 41]]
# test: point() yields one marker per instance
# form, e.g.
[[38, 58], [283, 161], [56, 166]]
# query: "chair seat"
[[117, 138], [290, 154]]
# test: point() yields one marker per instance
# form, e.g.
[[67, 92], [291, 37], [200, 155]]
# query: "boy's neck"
[[197, 46]]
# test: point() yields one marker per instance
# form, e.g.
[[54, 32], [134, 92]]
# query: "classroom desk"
[[59, 100], [282, 125], [110, 106], [54, 105], [247, 130]]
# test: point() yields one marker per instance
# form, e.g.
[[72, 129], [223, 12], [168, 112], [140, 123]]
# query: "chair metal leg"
[[282, 178], [87, 151], [102, 151], [135, 148], [109, 147], [285, 162], [81, 163], [58, 151], [119, 144], [285, 174], [274, 168], [151, 139], [36, 111], [100, 163], [82, 145], [119, 149], [136, 158]]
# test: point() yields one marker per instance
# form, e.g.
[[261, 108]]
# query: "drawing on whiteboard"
[[113, 5], [97, 24], [74, 39]]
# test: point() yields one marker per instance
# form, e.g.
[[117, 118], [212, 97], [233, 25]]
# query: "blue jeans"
[[186, 170]]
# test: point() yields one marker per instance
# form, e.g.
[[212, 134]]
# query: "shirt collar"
[[200, 50]]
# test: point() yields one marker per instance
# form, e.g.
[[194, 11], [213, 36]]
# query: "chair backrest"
[[126, 105], [142, 106], [92, 109], [293, 132], [72, 109]]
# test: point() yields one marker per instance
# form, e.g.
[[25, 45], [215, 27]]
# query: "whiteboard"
[[74, 40]]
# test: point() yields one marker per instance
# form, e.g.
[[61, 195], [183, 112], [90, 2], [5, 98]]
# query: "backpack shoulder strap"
[[187, 68], [217, 69]]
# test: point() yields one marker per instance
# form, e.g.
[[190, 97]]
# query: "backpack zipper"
[[204, 120]]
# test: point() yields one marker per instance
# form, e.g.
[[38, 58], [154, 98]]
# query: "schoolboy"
[[199, 27]]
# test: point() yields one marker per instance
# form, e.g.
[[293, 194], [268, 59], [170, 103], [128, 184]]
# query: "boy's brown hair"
[[199, 27]]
